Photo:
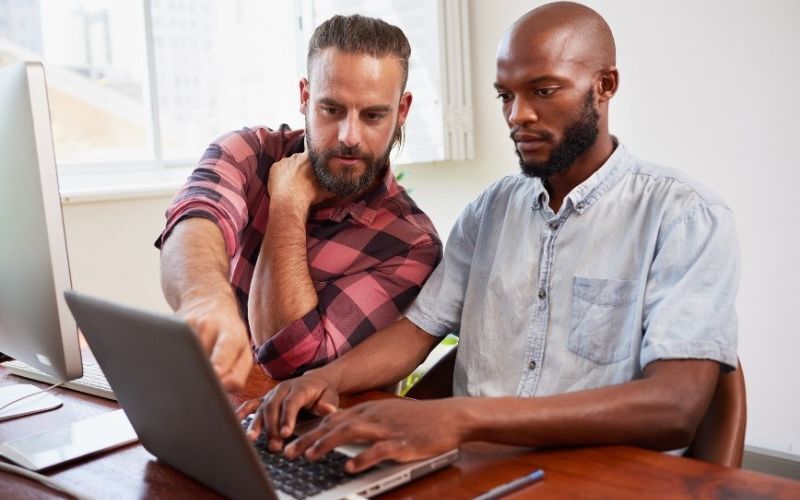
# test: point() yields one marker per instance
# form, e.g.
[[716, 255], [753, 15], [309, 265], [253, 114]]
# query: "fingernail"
[[286, 431]]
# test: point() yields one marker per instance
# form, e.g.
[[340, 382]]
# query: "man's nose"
[[350, 131], [522, 112]]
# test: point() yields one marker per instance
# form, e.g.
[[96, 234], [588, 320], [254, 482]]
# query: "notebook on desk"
[[174, 401]]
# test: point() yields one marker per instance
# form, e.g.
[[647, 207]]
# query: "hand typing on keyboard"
[[280, 419], [300, 477]]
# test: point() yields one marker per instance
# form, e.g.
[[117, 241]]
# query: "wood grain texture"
[[609, 472]]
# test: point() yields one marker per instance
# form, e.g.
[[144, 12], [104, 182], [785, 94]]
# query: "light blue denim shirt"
[[640, 263]]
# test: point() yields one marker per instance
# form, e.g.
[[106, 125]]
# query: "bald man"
[[593, 293]]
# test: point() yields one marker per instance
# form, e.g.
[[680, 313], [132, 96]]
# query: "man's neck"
[[559, 185]]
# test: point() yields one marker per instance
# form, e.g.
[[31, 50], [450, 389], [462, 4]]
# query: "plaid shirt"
[[368, 260]]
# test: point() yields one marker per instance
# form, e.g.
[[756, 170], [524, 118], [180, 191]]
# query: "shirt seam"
[[688, 186]]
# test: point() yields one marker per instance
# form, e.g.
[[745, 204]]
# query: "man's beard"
[[578, 137], [345, 184]]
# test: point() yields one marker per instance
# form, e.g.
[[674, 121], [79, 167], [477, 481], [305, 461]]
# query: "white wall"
[[708, 87], [111, 252]]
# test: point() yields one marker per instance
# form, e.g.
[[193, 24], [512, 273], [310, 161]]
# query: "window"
[[94, 57], [221, 65], [147, 84], [439, 126]]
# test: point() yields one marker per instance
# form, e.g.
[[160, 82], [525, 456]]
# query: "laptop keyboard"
[[301, 478]]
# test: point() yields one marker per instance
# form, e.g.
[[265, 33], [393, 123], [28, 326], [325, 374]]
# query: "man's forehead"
[[532, 55], [332, 59], [355, 78]]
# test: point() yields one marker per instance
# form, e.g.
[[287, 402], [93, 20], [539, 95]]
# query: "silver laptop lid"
[[184, 418], [181, 413]]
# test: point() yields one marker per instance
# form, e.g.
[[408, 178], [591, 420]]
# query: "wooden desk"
[[611, 472]]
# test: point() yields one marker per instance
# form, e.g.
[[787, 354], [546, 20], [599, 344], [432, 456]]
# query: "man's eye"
[[375, 116], [545, 92], [330, 110], [504, 96]]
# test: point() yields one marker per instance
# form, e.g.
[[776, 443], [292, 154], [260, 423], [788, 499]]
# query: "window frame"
[[157, 176]]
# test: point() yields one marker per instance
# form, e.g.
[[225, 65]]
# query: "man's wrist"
[[202, 298], [297, 202], [328, 374], [466, 417]]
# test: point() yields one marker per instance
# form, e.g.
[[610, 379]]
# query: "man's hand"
[[399, 429], [292, 179], [277, 411], [224, 338]]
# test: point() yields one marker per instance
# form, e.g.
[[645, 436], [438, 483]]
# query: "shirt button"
[[532, 365], [542, 294], [554, 225], [580, 206]]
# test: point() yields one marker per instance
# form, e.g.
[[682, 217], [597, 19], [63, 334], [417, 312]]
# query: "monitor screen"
[[35, 324]]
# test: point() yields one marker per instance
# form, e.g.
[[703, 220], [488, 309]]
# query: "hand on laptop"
[[278, 409], [224, 338], [399, 430]]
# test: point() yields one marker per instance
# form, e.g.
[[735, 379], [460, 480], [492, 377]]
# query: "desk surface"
[[608, 472]]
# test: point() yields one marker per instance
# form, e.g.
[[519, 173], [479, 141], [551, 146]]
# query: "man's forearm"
[[281, 290], [194, 265], [384, 358], [659, 412], [194, 277]]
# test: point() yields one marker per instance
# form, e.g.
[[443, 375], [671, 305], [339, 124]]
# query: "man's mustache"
[[542, 135], [349, 151]]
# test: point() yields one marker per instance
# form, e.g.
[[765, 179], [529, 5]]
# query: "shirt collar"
[[592, 189], [364, 209]]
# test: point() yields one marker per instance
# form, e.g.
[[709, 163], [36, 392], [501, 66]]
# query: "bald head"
[[556, 73], [563, 31]]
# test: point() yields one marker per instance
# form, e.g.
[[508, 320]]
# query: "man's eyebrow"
[[533, 81], [378, 108], [327, 101]]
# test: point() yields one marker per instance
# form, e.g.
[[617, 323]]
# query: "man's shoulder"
[[671, 185], [411, 223], [260, 139]]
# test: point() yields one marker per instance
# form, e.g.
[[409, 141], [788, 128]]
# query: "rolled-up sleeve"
[[349, 310], [216, 190], [689, 308]]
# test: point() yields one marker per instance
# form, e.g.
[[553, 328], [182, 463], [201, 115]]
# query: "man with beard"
[[297, 245], [593, 293]]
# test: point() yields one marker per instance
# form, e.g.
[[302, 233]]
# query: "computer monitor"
[[36, 326]]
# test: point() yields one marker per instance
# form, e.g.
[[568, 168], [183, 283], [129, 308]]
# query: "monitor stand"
[[32, 404]]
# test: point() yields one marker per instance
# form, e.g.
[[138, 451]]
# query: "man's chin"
[[540, 156]]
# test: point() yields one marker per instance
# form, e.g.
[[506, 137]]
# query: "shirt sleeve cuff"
[[722, 353], [204, 211], [427, 324], [294, 348]]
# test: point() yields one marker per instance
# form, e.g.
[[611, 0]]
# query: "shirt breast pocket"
[[602, 319]]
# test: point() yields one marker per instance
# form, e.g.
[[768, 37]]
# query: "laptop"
[[182, 415]]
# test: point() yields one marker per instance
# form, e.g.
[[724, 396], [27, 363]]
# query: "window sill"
[[93, 186]]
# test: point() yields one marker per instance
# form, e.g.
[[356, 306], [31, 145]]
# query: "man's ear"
[[608, 83], [304, 95], [403, 107]]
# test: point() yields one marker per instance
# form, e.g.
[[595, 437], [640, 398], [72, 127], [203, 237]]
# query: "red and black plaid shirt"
[[367, 260]]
